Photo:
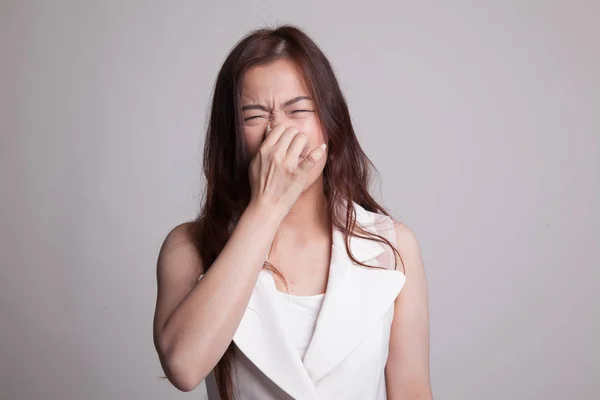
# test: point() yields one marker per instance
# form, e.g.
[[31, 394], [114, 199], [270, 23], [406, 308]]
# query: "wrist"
[[266, 215]]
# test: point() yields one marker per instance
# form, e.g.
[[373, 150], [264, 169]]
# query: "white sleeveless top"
[[347, 329], [300, 318]]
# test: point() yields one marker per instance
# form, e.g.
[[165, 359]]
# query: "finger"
[[312, 158], [299, 148], [281, 147], [273, 135]]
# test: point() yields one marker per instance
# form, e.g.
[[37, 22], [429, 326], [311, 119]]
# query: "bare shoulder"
[[408, 246], [404, 234], [179, 235], [178, 252], [177, 271]]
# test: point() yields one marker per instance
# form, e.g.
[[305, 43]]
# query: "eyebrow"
[[286, 104]]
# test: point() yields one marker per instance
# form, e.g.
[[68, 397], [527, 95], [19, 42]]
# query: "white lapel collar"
[[261, 337], [356, 299]]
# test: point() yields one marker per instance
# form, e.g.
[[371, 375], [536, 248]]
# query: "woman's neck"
[[307, 220]]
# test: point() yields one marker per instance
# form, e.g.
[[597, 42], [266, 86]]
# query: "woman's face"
[[277, 93]]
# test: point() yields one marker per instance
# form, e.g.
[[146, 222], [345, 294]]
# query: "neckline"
[[295, 296]]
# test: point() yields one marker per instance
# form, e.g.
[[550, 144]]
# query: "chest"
[[305, 270], [359, 375]]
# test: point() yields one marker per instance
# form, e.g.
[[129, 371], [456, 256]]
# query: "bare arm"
[[195, 320], [407, 368]]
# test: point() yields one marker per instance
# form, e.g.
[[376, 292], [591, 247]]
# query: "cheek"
[[313, 131], [254, 137]]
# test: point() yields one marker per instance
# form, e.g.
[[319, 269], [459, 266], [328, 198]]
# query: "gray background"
[[483, 120]]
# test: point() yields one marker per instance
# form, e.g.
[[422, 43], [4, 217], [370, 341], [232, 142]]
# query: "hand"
[[279, 170]]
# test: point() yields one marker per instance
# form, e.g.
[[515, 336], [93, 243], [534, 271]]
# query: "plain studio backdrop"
[[483, 119]]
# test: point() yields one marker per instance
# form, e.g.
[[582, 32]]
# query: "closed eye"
[[254, 117], [265, 116]]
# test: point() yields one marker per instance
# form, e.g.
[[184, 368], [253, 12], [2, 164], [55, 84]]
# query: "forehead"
[[279, 79]]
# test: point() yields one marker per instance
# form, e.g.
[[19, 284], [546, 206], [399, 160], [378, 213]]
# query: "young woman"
[[292, 283]]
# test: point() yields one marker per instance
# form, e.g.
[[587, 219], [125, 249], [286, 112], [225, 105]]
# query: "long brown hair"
[[226, 162]]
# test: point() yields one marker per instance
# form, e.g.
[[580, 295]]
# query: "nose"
[[275, 119], [280, 119]]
